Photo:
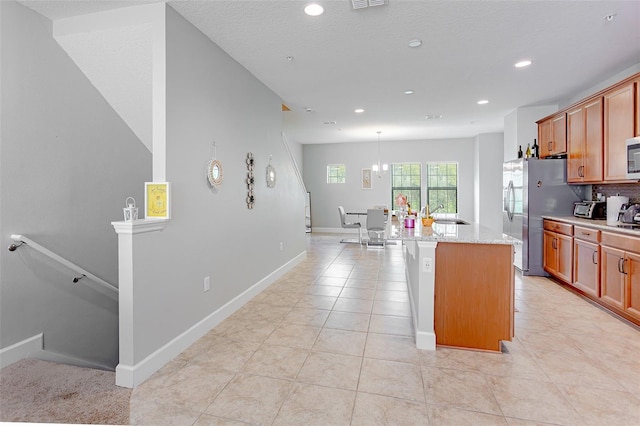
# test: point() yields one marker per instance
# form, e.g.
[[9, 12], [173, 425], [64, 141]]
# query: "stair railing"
[[20, 240], [295, 165]]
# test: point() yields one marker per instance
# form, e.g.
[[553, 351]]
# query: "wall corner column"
[[127, 231]]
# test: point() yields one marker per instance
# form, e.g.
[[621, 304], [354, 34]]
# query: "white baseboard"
[[130, 376], [45, 355], [426, 340], [316, 229], [21, 350]]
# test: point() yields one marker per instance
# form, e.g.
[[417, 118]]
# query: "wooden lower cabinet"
[[474, 310], [586, 266], [632, 297], [558, 255], [605, 265], [612, 278], [620, 273]]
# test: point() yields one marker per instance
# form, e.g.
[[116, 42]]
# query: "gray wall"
[[67, 163], [601, 85], [326, 198], [211, 232], [488, 180]]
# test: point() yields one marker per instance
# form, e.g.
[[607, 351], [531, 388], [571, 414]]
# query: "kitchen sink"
[[451, 222]]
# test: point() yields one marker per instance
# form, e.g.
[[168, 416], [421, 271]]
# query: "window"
[[405, 179], [336, 173], [442, 186]]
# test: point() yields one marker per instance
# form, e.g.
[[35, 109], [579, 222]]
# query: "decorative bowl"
[[427, 221]]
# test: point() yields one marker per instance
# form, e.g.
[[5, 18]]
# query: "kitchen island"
[[461, 284]]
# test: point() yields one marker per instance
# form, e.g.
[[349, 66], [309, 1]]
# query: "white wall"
[[488, 180], [600, 86], [211, 232], [520, 128], [67, 164], [325, 198]]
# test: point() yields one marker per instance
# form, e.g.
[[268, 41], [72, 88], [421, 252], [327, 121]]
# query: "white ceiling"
[[347, 59]]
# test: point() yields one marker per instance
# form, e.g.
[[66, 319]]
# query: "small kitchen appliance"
[[633, 158], [628, 213], [590, 209]]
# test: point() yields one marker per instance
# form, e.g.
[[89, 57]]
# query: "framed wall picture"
[[157, 200], [366, 178]]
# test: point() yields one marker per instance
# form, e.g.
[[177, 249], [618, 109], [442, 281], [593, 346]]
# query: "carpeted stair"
[[44, 392]]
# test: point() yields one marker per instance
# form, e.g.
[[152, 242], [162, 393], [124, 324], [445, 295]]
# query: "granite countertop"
[[596, 224], [472, 233]]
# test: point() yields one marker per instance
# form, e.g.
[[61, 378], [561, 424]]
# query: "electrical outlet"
[[427, 264], [207, 283], [281, 246]]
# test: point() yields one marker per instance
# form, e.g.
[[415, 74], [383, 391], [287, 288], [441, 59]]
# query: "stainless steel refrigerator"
[[531, 189]]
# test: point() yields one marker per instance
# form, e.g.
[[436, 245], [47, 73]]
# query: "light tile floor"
[[332, 343]]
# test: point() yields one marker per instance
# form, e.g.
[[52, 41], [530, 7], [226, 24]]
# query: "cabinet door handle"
[[623, 271], [554, 243], [594, 257], [581, 171], [585, 233], [620, 265]]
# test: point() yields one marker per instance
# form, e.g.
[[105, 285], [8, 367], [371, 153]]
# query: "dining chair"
[[349, 225], [376, 226]]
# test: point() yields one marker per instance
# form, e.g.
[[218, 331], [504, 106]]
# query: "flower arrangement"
[[401, 200]]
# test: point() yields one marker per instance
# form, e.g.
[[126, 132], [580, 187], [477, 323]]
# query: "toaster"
[[590, 209], [628, 213]]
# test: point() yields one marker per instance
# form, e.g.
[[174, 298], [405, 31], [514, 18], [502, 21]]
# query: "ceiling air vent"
[[361, 4]]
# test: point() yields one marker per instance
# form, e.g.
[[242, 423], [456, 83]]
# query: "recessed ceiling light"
[[308, 109], [415, 43], [330, 122], [313, 9], [408, 92], [289, 58], [522, 64], [483, 102], [358, 110], [610, 17], [434, 116]]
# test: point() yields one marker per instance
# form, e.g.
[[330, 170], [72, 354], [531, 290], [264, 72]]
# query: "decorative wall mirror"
[[214, 172], [271, 175]]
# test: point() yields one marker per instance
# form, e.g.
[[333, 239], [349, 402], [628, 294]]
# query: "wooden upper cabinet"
[[619, 125], [575, 142], [552, 135], [544, 137], [559, 131], [585, 142]]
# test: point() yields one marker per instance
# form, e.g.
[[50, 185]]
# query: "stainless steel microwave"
[[633, 158]]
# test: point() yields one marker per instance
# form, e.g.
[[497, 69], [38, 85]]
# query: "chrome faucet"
[[441, 206]]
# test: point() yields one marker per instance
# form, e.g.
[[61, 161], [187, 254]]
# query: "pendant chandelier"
[[379, 169]]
